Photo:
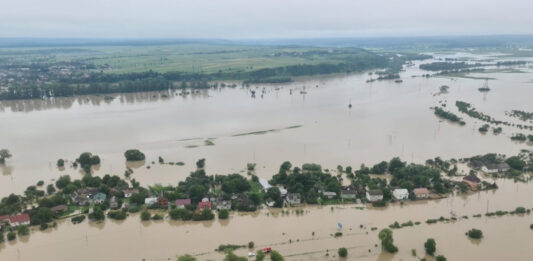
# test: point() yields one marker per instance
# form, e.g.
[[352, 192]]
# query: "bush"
[[440, 258], [475, 233], [117, 215], [134, 155], [223, 214], [259, 255], [520, 210], [77, 219], [11, 236], [60, 163], [276, 256], [186, 258], [343, 252], [145, 215], [531, 226], [23, 230], [157, 217], [251, 244], [430, 246]]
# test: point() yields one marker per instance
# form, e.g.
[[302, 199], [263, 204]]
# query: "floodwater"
[[387, 119]]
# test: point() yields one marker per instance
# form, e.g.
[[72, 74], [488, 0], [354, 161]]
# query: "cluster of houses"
[[87, 196], [489, 167], [375, 195], [15, 221]]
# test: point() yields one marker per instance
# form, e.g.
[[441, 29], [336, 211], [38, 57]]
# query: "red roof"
[[22, 218], [204, 204], [3, 218], [183, 202], [421, 191]]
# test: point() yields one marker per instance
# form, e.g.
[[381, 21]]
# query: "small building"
[[472, 181], [283, 192], [329, 194], [59, 209], [99, 198], [19, 220], [182, 203], [374, 195], [348, 194], [150, 201], [223, 204], [114, 203], [270, 202], [264, 183], [495, 168], [421, 193], [129, 192], [400, 194], [293, 199], [162, 201], [204, 205]]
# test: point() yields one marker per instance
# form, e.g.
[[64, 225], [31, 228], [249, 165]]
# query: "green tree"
[[516, 163], [251, 244], [97, 214], [223, 214], [4, 154], [387, 242], [230, 256], [343, 252], [259, 255], [200, 163], [45, 214], [11, 236], [145, 215], [276, 256], [186, 257], [430, 246], [134, 155], [63, 181], [440, 258], [60, 163], [475, 233], [23, 230]]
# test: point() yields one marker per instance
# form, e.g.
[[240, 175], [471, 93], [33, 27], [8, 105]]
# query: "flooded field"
[[305, 121]]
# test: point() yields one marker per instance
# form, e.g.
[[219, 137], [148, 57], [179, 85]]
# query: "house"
[[59, 209], [99, 198], [129, 192], [150, 201], [18, 220], [472, 181], [495, 168], [283, 192], [270, 202], [264, 184], [293, 199], [204, 205], [113, 202], [223, 204], [400, 194], [182, 203], [374, 195], [162, 201], [329, 194], [348, 194], [4, 220], [81, 200], [421, 193]]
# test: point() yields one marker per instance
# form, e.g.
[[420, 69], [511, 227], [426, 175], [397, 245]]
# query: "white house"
[[264, 184], [150, 201], [400, 194], [293, 199], [374, 195], [329, 194], [495, 168]]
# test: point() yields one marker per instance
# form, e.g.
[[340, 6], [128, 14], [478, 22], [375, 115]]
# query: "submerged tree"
[[387, 242], [4, 154]]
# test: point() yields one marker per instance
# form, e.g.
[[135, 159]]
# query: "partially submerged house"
[[60, 209], [374, 195], [329, 194], [472, 181], [99, 198], [182, 203], [348, 194], [293, 199], [223, 204], [19, 220], [421, 193], [400, 194], [495, 168], [150, 201], [204, 205], [162, 202]]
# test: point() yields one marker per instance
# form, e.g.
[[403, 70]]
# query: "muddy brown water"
[[387, 119]]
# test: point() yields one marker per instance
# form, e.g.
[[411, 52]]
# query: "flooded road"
[[387, 119]]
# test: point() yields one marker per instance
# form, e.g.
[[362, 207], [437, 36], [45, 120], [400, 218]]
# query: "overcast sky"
[[262, 18]]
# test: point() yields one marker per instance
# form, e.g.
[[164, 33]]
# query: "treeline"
[[103, 83], [446, 66]]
